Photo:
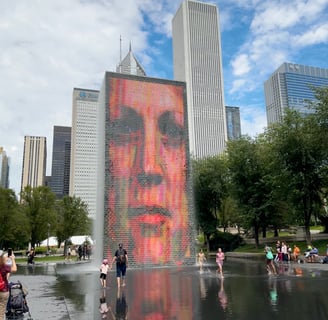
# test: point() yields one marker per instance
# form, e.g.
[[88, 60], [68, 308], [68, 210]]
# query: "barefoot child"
[[103, 273], [219, 261]]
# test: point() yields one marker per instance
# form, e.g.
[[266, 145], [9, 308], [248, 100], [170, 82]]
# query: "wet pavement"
[[72, 291]]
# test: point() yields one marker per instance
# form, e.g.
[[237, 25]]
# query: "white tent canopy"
[[76, 240]]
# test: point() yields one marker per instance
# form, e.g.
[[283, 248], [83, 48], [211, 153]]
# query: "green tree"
[[38, 205], [13, 231], [210, 176], [299, 159], [320, 137], [72, 219], [251, 183]]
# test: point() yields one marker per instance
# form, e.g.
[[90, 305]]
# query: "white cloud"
[[317, 34], [48, 48], [241, 65], [253, 120]]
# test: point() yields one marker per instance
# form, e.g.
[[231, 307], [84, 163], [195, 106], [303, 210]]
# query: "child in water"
[[103, 273]]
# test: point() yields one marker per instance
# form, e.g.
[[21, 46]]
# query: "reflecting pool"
[[73, 291]]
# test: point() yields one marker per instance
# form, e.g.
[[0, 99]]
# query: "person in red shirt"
[[7, 266]]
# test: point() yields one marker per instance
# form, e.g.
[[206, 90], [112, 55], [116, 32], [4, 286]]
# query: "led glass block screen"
[[147, 181]]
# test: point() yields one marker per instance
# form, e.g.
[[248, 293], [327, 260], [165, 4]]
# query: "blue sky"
[[50, 47]]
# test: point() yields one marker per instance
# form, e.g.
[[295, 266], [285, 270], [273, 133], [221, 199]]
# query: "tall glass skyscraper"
[[233, 123], [290, 87], [197, 61], [61, 154]]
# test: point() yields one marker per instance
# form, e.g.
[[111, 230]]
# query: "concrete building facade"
[[34, 161], [197, 60], [4, 169], [84, 147]]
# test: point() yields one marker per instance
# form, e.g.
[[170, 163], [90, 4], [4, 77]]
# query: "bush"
[[225, 240]]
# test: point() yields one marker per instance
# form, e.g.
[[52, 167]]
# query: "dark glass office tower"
[[61, 155], [233, 123], [290, 86]]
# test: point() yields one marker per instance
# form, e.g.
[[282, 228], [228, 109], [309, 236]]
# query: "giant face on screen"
[[148, 187]]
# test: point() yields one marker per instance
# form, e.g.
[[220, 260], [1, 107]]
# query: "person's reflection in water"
[[203, 289], [121, 305], [298, 272], [103, 307], [223, 299], [273, 294]]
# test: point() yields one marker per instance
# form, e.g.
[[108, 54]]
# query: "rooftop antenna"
[[120, 49]]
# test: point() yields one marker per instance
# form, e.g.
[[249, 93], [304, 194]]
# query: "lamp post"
[[48, 251]]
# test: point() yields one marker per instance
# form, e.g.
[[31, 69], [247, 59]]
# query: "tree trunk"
[[276, 233], [324, 222], [256, 235]]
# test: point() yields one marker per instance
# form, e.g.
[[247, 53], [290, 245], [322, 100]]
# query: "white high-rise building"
[[84, 148], [197, 61], [34, 162]]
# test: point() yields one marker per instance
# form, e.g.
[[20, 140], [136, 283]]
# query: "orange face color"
[[147, 200]]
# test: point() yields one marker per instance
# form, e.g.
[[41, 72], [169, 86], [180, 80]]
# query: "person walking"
[[219, 261], [121, 259], [201, 259], [103, 273], [5, 270], [269, 260]]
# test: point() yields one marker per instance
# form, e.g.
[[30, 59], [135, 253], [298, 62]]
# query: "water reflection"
[[103, 307], [247, 291], [223, 299]]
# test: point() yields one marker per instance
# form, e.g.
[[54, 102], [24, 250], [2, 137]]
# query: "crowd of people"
[[285, 253]]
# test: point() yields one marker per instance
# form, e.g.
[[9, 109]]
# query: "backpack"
[[121, 256], [17, 302], [2, 282]]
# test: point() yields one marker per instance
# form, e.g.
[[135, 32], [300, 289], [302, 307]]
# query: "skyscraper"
[[34, 161], [61, 155], [233, 123], [130, 65], [84, 148], [290, 87], [197, 61], [4, 169]]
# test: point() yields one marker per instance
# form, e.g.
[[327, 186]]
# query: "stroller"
[[17, 304]]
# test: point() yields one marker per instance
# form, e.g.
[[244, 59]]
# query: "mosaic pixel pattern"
[[147, 187]]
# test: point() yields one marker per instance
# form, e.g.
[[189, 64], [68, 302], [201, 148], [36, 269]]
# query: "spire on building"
[[130, 65]]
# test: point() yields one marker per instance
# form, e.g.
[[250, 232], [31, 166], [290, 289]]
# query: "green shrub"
[[225, 240]]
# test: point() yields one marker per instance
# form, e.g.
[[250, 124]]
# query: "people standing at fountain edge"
[[103, 273], [5, 270], [121, 258], [296, 252], [201, 259], [219, 261]]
